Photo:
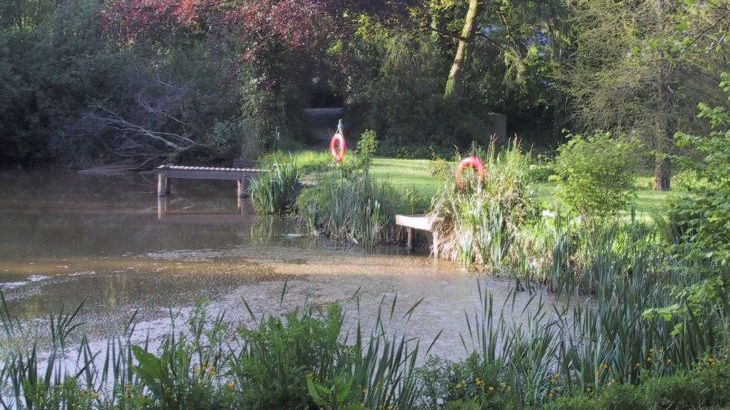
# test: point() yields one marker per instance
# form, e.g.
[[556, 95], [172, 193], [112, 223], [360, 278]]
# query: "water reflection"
[[242, 214], [110, 243]]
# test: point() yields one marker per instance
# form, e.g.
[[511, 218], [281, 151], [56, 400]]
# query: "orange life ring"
[[470, 162], [338, 147]]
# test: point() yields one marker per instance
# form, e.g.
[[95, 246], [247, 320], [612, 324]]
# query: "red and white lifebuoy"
[[470, 162], [338, 147]]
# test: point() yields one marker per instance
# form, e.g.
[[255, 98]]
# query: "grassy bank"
[[414, 176]]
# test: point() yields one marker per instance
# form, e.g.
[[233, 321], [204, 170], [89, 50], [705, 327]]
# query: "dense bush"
[[596, 174], [700, 215], [53, 66], [367, 145]]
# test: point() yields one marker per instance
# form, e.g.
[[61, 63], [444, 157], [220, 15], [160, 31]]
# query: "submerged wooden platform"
[[422, 223], [240, 175]]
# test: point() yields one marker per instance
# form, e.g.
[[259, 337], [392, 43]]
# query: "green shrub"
[[714, 375], [541, 169], [366, 148], [623, 397], [674, 392], [281, 353], [275, 191], [701, 216], [574, 403], [596, 174]]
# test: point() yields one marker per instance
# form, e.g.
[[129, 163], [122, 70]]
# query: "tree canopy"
[[152, 80]]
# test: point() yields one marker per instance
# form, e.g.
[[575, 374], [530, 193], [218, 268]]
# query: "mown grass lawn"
[[414, 174]]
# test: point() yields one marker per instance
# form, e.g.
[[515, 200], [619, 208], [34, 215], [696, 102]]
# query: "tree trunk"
[[662, 172], [471, 15], [663, 163]]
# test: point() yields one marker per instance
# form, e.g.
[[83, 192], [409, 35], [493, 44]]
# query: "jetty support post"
[[163, 184], [241, 188], [435, 250]]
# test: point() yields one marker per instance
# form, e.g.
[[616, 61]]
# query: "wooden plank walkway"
[[240, 175], [422, 223]]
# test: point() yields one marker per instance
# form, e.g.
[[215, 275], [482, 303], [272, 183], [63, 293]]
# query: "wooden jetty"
[[422, 223], [240, 175]]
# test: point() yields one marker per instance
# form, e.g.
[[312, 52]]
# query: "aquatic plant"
[[479, 224], [210, 363], [350, 207], [524, 355], [275, 192]]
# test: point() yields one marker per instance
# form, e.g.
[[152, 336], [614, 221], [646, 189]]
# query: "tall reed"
[[211, 363], [350, 207], [275, 191], [479, 224]]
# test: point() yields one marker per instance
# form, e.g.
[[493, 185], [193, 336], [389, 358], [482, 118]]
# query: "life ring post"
[[338, 147], [469, 162]]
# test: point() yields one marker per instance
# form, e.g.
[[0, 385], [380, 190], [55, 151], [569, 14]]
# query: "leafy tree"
[[53, 65], [642, 66], [702, 214], [466, 33]]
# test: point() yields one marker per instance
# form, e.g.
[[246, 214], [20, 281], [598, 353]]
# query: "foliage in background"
[[53, 66], [275, 191], [642, 68], [481, 223], [595, 174], [699, 219]]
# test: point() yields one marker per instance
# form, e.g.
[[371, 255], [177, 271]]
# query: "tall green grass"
[[479, 224], [534, 353], [275, 191], [351, 207]]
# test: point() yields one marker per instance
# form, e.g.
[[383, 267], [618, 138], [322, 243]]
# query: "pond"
[[106, 241]]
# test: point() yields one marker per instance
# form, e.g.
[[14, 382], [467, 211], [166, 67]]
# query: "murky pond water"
[[108, 242]]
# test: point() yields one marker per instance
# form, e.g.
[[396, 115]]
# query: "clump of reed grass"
[[275, 191], [349, 206], [479, 224]]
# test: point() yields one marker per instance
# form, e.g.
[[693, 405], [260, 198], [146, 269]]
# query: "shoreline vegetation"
[[641, 323], [621, 211]]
